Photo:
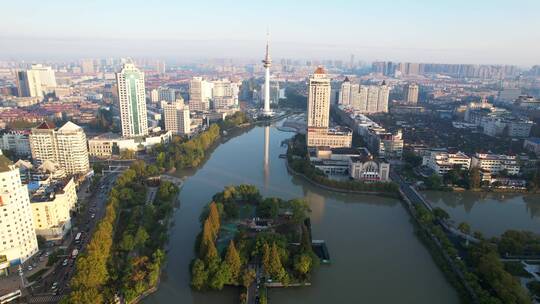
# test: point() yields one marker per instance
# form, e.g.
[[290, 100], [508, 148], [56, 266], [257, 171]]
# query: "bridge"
[[413, 197]]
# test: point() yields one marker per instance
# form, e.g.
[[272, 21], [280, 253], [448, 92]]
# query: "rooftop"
[[5, 163]]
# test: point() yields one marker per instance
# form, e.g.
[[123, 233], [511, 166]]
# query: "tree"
[[440, 214], [275, 266], [302, 263], [248, 276], [266, 257], [232, 259], [213, 215], [434, 182], [128, 242], [268, 208], [300, 210], [221, 277], [141, 236], [464, 227], [199, 275]]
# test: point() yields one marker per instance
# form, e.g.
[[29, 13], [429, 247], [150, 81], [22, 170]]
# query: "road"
[[43, 291], [253, 289]]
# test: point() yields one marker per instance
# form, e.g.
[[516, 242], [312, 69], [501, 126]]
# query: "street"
[[92, 208]]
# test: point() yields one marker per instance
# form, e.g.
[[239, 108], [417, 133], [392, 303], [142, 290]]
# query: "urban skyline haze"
[[483, 32]]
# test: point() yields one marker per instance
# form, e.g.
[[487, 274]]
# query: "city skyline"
[[448, 32]]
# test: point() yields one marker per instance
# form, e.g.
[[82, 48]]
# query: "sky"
[[443, 31]]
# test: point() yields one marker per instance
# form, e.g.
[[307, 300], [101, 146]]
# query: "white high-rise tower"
[[132, 101], [267, 64]]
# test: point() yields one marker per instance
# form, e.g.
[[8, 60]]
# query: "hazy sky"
[[450, 31]]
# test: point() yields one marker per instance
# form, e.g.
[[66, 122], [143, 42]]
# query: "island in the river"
[[253, 243]]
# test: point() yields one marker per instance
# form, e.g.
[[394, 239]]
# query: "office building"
[[65, 147], [318, 115], [177, 118], [411, 94], [29, 84], [167, 94], [495, 163], [200, 93], [132, 101], [345, 92], [443, 161], [18, 240]]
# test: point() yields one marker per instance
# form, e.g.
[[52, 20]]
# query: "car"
[[93, 215], [65, 262], [30, 267]]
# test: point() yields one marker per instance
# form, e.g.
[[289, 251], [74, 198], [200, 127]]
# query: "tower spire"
[[267, 60], [267, 63]]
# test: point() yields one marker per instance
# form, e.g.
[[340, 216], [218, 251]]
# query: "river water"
[[490, 213], [375, 255]]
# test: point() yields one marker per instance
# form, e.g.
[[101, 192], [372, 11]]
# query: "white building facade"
[[132, 101], [18, 240]]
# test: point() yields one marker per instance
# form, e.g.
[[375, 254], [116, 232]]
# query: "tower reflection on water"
[[266, 166]]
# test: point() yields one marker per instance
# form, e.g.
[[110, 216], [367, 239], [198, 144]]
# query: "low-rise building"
[[355, 163], [52, 202], [110, 144], [16, 142], [532, 144], [495, 163], [380, 141], [369, 170], [443, 161], [334, 138]]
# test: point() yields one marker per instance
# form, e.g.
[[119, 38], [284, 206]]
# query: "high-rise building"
[[154, 96], [318, 100], [29, 84], [364, 98], [177, 118], [18, 240], [167, 94], [87, 66], [318, 114], [132, 101], [200, 93], [345, 92], [412, 94], [66, 147], [46, 75], [72, 149]]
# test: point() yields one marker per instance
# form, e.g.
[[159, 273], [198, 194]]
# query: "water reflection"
[[266, 167], [491, 213]]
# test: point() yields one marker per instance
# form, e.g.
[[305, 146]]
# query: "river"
[[490, 213], [376, 258]]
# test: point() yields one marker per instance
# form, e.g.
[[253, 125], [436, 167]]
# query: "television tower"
[[267, 64]]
